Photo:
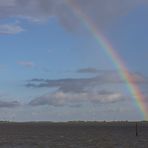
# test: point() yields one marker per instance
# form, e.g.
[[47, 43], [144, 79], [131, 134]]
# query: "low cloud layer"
[[10, 104], [74, 92], [77, 99]]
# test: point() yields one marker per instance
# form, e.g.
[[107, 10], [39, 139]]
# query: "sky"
[[52, 67]]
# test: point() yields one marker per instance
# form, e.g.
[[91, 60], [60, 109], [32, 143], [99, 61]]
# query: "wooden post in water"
[[136, 129]]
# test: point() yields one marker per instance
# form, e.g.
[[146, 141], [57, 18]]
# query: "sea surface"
[[74, 135]]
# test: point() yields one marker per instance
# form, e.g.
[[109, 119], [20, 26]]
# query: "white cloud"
[[61, 99], [10, 29]]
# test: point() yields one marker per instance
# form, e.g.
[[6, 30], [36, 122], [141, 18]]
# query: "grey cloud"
[[88, 70], [10, 29], [100, 11], [27, 64], [65, 85], [37, 80], [77, 85], [95, 70], [59, 98], [35, 9], [139, 78], [11, 104]]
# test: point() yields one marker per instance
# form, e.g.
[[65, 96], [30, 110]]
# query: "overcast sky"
[[53, 68]]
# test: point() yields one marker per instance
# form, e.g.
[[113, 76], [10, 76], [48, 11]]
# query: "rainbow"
[[114, 56]]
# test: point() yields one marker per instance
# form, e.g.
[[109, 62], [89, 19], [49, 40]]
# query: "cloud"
[[77, 99], [27, 64], [88, 70], [95, 70], [139, 78], [11, 104], [77, 85], [65, 85], [10, 29], [74, 92], [100, 11], [32, 10]]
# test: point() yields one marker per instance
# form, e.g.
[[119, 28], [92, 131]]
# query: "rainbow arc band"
[[114, 56]]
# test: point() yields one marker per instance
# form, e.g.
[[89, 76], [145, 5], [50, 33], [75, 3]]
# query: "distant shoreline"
[[73, 122]]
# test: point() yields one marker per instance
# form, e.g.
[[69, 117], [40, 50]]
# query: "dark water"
[[73, 135]]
